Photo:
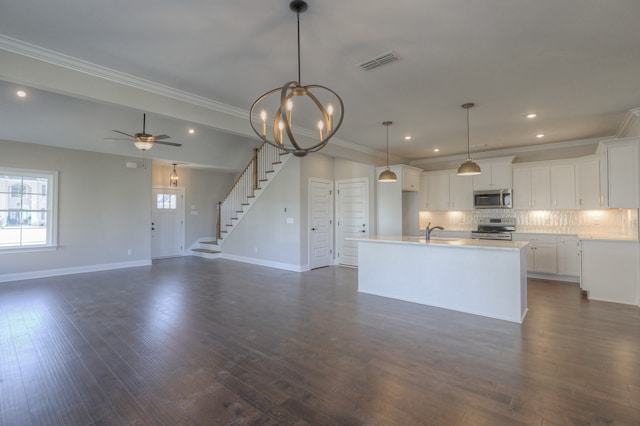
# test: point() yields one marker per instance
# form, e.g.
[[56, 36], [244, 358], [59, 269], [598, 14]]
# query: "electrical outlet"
[[129, 252]]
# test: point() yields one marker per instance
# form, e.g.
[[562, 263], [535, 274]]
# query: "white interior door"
[[167, 222], [320, 221], [352, 218]]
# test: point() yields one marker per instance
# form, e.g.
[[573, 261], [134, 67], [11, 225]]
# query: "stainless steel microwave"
[[493, 199]]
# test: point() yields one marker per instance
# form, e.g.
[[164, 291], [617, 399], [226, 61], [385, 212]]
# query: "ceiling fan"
[[145, 141]]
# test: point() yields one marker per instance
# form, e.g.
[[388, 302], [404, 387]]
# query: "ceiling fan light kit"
[[145, 141], [469, 167], [319, 102]]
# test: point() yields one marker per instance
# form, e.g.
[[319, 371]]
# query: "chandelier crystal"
[[315, 106]]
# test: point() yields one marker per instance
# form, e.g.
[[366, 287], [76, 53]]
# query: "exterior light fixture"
[[387, 175], [469, 167], [173, 177], [316, 105]]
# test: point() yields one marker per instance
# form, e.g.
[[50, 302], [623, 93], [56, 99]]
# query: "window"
[[27, 209], [166, 201]]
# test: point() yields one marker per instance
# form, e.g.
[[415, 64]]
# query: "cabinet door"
[[588, 184], [423, 199], [546, 258], [438, 192], [623, 176], [483, 180], [563, 187], [568, 256], [501, 175], [540, 189], [410, 180], [531, 258], [461, 192], [522, 188]]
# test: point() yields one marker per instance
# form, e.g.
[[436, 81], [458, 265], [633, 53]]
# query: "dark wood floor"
[[195, 341]]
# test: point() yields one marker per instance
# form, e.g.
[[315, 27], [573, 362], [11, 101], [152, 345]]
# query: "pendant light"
[[321, 102], [469, 167], [387, 175], [173, 177]]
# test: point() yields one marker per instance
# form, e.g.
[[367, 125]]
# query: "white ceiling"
[[573, 62]]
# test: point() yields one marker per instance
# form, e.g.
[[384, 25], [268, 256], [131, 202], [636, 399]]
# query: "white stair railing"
[[254, 175]]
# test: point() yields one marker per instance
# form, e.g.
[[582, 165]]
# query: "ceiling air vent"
[[379, 61]]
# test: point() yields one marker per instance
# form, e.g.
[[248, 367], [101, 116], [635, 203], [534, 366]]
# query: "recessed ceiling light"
[[407, 138], [540, 135], [21, 93], [192, 131], [436, 149], [532, 115]]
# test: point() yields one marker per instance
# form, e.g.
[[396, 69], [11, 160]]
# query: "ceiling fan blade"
[[162, 137], [117, 139], [168, 143], [123, 133]]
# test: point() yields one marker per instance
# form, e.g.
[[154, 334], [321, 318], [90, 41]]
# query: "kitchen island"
[[482, 277]]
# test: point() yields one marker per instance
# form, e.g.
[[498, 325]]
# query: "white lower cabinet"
[[542, 254], [568, 249], [610, 271]]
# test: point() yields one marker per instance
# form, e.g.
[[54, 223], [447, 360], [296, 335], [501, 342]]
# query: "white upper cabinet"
[[410, 179], [460, 192], [623, 176], [531, 188], [438, 191], [563, 186], [496, 174], [588, 194], [445, 190]]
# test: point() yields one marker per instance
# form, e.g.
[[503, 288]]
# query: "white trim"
[[497, 153], [46, 273], [78, 65], [629, 120], [261, 262]]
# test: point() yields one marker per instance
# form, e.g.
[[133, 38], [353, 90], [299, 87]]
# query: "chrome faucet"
[[428, 230]]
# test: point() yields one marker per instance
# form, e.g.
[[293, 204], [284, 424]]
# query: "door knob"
[[363, 231], [313, 229]]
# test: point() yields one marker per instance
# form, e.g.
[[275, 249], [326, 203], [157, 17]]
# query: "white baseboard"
[[45, 273], [262, 262]]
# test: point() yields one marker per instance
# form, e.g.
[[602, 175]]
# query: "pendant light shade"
[[469, 167], [173, 177], [387, 175]]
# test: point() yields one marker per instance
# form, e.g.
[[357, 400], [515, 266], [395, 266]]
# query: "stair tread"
[[207, 251], [209, 242]]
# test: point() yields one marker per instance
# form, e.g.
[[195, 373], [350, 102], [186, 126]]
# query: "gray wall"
[[203, 189], [104, 209]]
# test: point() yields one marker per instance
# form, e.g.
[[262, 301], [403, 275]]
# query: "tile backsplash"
[[620, 222]]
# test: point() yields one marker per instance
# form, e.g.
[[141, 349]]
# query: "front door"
[[352, 218], [167, 222], [320, 220]]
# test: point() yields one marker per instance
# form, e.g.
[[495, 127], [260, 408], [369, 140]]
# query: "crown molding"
[[507, 152], [49, 56], [632, 117], [58, 59]]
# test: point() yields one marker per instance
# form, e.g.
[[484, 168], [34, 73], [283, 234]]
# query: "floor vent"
[[379, 61]]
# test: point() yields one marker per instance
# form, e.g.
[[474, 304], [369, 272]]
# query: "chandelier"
[[314, 106], [173, 176]]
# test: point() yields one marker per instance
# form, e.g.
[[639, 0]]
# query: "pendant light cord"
[[468, 137], [387, 147], [299, 73]]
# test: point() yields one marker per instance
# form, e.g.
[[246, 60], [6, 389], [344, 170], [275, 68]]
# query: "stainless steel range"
[[490, 228]]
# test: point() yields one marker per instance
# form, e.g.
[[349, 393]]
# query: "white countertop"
[[448, 242]]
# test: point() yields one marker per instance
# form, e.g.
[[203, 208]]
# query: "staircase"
[[267, 161]]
